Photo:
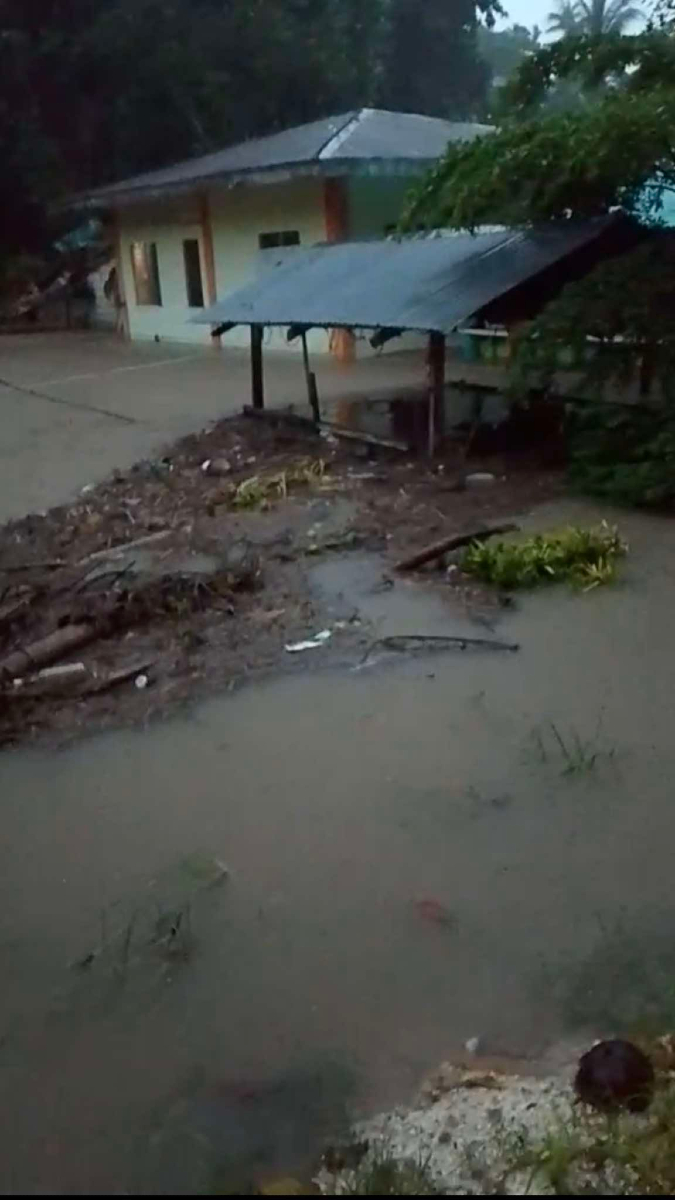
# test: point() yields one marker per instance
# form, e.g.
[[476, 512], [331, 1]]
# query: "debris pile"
[[186, 573]]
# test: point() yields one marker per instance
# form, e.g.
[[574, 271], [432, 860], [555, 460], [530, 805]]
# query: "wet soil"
[[176, 578]]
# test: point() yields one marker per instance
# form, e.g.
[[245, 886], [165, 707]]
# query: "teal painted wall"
[[375, 204]]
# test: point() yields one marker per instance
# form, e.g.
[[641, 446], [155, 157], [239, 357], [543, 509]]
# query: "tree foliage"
[[616, 151], [596, 18], [430, 60], [544, 165], [578, 163]]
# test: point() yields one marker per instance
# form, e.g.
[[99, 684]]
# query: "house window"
[[193, 273], [146, 272], [279, 237]]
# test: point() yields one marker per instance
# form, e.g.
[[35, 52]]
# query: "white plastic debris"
[[478, 478], [141, 681], [472, 1045], [63, 671], [216, 466], [310, 644]]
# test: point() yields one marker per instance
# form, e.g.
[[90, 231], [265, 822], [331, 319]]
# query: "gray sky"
[[528, 12]]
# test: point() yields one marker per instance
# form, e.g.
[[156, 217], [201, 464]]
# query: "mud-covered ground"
[[188, 574]]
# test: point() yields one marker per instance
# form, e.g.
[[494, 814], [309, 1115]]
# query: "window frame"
[[274, 239], [201, 303], [145, 274]]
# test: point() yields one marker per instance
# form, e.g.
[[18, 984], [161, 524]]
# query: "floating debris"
[[310, 644]]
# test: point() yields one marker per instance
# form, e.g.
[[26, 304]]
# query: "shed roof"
[[432, 283], [346, 144]]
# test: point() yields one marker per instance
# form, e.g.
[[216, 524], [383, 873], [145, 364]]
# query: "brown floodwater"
[[162, 1031]]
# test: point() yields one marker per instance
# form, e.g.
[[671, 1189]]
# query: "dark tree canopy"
[[615, 151], [92, 90], [542, 164], [430, 59]]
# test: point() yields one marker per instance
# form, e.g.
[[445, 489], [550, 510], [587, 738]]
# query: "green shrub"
[[623, 453], [583, 557]]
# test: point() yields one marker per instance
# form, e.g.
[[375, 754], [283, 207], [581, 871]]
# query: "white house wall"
[[167, 225], [239, 216]]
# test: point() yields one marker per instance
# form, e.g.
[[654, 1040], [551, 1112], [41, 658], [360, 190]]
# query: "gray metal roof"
[[422, 283], [336, 145]]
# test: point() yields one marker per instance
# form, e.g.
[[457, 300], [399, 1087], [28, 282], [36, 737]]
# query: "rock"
[[479, 478], [217, 466], [615, 1074]]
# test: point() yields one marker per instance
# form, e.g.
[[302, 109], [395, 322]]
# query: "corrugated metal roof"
[[421, 283], [331, 146]]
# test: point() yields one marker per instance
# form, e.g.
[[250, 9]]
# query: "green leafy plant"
[[612, 150], [623, 453], [584, 557]]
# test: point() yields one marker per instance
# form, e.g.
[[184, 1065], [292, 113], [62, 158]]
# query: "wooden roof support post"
[[436, 387], [120, 299], [310, 379], [209, 259], [336, 214], [257, 379]]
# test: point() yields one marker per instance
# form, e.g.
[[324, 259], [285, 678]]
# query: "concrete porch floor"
[[75, 406]]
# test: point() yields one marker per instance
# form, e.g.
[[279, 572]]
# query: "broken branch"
[[47, 650], [123, 547], [436, 549], [413, 641], [117, 677]]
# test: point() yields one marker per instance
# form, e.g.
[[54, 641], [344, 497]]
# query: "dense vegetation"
[[611, 149]]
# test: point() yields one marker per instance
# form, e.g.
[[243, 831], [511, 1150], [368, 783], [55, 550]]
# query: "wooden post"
[[209, 258], [257, 380], [310, 379], [436, 386], [336, 214], [120, 300]]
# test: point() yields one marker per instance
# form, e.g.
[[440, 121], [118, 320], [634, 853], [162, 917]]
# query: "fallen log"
[[277, 416], [51, 681], [436, 549], [412, 641], [47, 650], [123, 547], [116, 677], [370, 439]]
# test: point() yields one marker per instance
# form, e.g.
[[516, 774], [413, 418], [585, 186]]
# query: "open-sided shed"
[[431, 284]]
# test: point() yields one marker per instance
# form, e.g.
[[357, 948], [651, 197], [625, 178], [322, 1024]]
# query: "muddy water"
[[338, 800]]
